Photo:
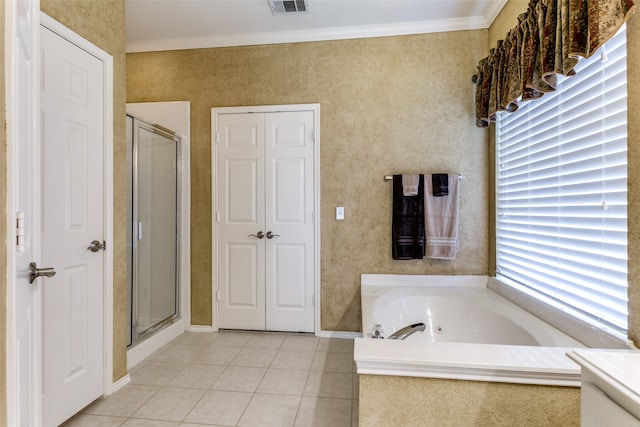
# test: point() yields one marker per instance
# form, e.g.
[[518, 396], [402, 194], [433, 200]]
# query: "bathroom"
[[372, 125]]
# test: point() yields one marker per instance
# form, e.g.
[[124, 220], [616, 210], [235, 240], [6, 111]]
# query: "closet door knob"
[[96, 246], [270, 235], [260, 235]]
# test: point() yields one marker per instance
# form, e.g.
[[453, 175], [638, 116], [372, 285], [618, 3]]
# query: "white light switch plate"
[[340, 213]]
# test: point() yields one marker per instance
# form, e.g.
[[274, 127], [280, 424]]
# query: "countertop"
[[615, 372]]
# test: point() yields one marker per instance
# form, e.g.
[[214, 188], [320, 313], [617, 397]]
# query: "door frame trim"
[[107, 61], [315, 108], [13, 115]]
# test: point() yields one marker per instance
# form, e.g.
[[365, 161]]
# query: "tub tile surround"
[[236, 379], [418, 402]]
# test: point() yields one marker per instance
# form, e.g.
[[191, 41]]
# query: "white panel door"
[[241, 250], [289, 216], [265, 192], [72, 102]]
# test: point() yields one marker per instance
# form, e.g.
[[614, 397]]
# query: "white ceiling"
[[186, 24]]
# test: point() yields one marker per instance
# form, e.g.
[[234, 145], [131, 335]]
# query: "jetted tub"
[[471, 333]]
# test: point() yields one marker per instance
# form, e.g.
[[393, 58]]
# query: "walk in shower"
[[153, 220]]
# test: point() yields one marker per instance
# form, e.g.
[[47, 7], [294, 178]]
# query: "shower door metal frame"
[[135, 336]]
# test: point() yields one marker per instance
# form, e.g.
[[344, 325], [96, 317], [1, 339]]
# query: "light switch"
[[340, 213]]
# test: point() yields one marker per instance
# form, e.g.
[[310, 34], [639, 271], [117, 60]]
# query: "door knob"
[[260, 235], [270, 235], [95, 246], [35, 272]]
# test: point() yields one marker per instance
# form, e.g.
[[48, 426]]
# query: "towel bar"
[[390, 177]]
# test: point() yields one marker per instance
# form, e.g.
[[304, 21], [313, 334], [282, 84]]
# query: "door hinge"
[[217, 295], [217, 138], [217, 216], [313, 135], [19, 231], [313, 299]]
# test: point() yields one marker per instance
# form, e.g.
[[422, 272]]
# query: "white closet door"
[[289, 217], [265, 192], [241, 257]]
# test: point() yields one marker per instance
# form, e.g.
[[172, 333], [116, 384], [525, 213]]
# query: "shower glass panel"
[[153, 229]]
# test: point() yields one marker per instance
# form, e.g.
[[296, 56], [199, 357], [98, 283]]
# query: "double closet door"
[[264, 220]]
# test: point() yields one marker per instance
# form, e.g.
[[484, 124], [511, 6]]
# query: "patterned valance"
[[548, 40]]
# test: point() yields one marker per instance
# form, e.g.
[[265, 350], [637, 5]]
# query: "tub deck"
[[461, 361]]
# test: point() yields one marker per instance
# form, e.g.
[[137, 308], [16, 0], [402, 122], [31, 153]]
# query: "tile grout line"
[[316, 349], [262, 379]]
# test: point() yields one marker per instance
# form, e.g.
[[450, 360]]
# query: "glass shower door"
[[154, 229]]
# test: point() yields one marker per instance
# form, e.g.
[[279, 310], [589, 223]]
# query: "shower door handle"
[[96, 246]]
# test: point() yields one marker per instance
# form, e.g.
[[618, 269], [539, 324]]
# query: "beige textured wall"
[[633, 153], [3, 234], [507, 20], [388, 105], [102, 23], [419, 402]]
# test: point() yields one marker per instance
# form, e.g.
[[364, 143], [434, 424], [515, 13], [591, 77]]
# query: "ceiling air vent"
[[288, 6]]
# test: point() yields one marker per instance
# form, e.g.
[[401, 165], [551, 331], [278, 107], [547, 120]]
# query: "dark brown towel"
[[407, 229], [440, 184]]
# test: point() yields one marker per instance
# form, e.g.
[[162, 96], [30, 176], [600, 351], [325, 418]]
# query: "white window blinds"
[[562, 192]]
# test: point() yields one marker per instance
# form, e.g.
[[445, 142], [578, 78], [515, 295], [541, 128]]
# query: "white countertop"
[[615, 372]]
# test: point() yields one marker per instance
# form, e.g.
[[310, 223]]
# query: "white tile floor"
[[236, 379]]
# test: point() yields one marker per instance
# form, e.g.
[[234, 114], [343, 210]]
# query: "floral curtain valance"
[[549, 39]]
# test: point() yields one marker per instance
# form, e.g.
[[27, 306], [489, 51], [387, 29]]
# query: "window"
[[562, 192]]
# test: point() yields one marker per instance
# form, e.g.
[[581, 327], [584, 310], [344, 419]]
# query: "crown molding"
[[493, 11], [342, 33]]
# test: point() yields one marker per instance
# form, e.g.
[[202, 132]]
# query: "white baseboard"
[[322, 334], [147, 347], [339, 334], [200, 328], [120, 383]]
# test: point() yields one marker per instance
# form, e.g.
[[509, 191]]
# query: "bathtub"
[[471, 333]]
